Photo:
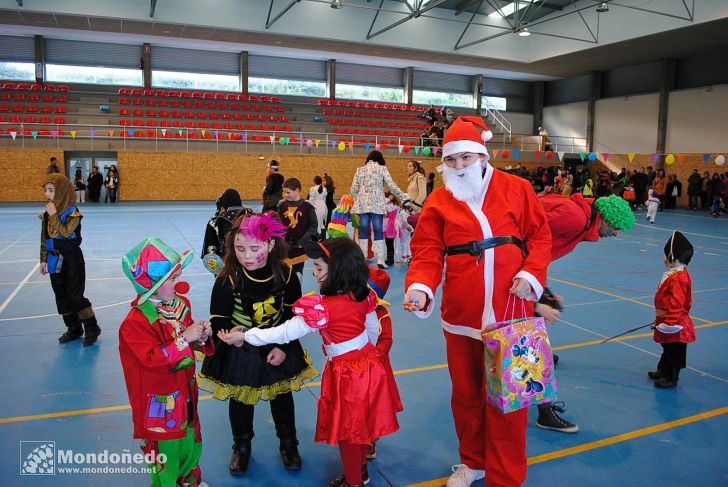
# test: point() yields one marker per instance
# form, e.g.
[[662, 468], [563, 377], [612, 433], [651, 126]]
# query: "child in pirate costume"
[[157, 344], [256, 289], [62, 258], [229, 205], [300, 217], [673, 327]]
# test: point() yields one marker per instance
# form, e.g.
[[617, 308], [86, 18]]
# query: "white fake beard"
[[464, 184]]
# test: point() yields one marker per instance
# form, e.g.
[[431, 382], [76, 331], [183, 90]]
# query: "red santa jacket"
[[475, 294], [672, 307], [159, 369], [570, 220]]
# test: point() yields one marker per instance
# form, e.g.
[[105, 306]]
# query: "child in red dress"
[[673, 327], [359, 398]]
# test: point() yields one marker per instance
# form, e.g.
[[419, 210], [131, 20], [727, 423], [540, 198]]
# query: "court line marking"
[[18, 288], [623, 298], [60, 414], [686, 233], [612, 440], [56, 314], [17, 240]]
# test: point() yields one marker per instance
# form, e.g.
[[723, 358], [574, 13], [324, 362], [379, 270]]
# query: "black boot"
[[669, 379], [242, 449], [289, 453], [75, 329], [659, 372], [92, 331]]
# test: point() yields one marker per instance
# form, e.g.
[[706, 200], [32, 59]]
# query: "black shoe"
[[669, 379], [289, 454], [92, 331], [548, 419], [242, 450], [71, 335], [654, 374]]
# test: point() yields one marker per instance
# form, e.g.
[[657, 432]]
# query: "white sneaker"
[[463, 476]]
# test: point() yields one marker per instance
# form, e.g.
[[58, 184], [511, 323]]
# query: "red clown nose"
[[182, 287]]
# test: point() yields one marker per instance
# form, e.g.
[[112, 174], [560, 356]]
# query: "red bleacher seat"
[[172, 93], [203, 125], [275, 99], [174, 103], [18, 108], [178, 124], [22, 86], [8, 86], [201, 115], [162, 102], [219, 96], [253, 98], [208, 96], [124, 101], [151, 113], [59, 120], [5, 96], [29, 119], [151, 123], [31, 108], [137, 101], [124, 122], [33, 97], [63, 88], [20, 96], [163, 114], [227, 126], [137, 112], [215, 125], [160, 93], [191, 125], [14, 119], [148, 92], [44, 120], [231, 96], [46, 109], [213, 116], [189, 114], [164, 123], [184, 94], [138, 123], [123, 91], [240, 126], [61, 99], [176, 114]]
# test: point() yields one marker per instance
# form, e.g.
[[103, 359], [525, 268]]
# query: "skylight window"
[[418, 4], [510, 8]]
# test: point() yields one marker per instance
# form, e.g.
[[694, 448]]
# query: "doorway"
[[84, 161]]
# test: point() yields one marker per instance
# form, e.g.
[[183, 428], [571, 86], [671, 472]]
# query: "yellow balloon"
[[342, 146], [670, 159]]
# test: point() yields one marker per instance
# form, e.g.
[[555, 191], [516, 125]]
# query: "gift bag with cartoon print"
[[519, 364]]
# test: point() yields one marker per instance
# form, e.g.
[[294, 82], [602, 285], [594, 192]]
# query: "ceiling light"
[[524, 32], [336, 4], [603, 7]]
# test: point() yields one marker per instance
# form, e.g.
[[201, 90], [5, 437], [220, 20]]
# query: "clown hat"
[[149, 264], [379, 283], [466, 134]]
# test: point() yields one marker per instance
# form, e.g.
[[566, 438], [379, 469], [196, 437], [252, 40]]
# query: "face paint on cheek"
[[261, 258]]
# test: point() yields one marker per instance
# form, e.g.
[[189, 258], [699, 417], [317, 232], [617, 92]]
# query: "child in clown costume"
[[359, 398], [62, 258], [157, 341], [673, 326]]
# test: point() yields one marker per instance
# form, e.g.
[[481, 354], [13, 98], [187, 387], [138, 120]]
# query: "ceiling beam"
[[152, 8], [413, 15], [270, 21]]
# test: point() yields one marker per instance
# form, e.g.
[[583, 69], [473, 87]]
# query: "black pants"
[[704, 200], [70, 284], [390, 251], [692, 201], [282, 409], [674, 355], [671, 202]]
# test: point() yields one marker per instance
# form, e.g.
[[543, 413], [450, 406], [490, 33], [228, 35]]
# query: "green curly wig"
[[615, 212]]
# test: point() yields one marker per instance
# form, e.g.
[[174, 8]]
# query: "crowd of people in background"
[[92, 183], [439, 120], [708, 192]]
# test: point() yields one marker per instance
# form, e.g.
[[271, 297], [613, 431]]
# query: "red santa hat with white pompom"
[[466, 134]]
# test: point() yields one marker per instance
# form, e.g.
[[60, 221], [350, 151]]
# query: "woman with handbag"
[[79, 185]]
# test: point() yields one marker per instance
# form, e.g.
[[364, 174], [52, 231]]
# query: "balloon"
[[309, 143], [342, 146], [282, 140], [549, 155], [504, 154], [670, 159], [406, 149], [426, 151], [720, 160]]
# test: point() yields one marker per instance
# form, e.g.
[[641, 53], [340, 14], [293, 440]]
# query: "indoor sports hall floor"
[[631, 433]]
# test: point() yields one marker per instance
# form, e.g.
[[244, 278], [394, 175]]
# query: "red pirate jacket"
[[159, 369], [475, 294], [672, 307]]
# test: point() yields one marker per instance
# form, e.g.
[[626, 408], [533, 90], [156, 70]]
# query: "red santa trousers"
[[488, 438]]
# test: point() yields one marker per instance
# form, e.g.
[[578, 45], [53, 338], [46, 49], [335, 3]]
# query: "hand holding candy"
[[414, 300]]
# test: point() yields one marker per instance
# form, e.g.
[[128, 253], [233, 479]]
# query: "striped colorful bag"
[[519, 363]]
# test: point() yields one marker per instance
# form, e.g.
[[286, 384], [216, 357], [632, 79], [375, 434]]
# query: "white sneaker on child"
[[463, 476]]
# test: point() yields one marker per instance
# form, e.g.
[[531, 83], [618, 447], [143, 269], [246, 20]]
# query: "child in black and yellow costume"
[[256, 289], [62, 258]]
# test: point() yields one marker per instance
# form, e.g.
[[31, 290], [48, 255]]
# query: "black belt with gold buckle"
[[477, 247]]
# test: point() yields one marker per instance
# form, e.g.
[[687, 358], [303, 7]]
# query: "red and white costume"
[[672, 306], [475, 295], [359, 398]]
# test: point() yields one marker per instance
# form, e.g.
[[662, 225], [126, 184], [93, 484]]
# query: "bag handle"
[[512, 299]]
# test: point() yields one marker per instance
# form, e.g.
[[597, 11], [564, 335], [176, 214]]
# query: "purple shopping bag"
[[519, 364]]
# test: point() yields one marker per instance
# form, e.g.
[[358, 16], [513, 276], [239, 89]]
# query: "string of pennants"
[[342, 145]]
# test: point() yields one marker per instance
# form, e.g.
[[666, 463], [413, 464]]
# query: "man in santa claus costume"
[[489, 232]]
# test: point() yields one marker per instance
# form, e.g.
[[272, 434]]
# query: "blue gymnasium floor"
[[631, 433]]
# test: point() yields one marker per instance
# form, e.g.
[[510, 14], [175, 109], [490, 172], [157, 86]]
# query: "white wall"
[[697, 121], [566, 124], [521, 123], [626, 125]]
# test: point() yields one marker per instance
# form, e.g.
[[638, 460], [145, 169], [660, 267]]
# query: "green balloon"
[[282, 141], [426, 151]]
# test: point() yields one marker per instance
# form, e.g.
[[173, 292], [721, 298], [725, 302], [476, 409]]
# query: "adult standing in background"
[[330, 204], [416, 185], [367, 189], [111, 183], [53, 166], [79, 186], [660, 186], [673, 192], [273, 190], [694, 184], [430, 183], [95, 181]]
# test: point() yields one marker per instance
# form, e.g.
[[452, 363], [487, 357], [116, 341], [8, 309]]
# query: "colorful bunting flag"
[[92, 133], [435, 150], [13, 134], [495, 153], [680, 157], [630, 156], [655, 157], [34, 133], [706, 158], [401, 147], [582, 155], [164, 132], [417, 150], [516, 153], [538, 154], [605, 155], [73, 134], [317, 142], [111, 133]]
